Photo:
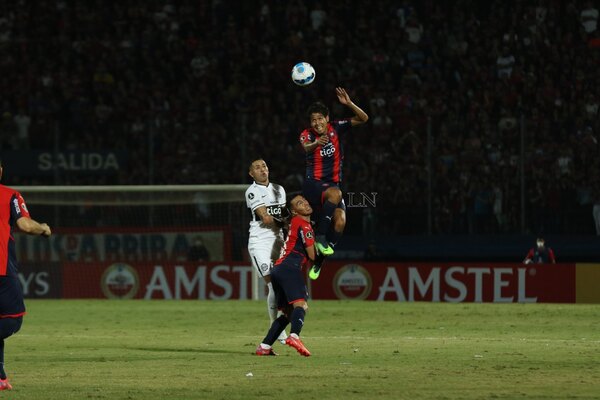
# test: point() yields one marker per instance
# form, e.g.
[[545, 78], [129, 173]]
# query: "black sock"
[[319, 261], [2, 373], [297, 320], [325, 220], [333, 237], [276, 328]]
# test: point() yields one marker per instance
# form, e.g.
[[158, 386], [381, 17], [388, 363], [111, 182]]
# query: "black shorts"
[[11, 296], [314, 192], [10, 326], [288, 284]]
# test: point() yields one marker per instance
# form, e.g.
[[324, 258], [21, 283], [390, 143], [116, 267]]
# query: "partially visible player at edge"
[[13, 211], [324, 158], [288, 279], [266, 200]]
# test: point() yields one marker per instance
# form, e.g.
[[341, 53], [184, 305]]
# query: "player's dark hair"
[[288, 204], [318, 108], [253, 160]]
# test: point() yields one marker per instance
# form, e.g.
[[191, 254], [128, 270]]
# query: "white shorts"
[[264, 255]]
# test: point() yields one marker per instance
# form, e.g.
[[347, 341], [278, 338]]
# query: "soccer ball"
[[303, 74]]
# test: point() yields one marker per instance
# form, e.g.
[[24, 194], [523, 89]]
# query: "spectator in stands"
[[540, 254], [505, 63], [589, 17], [198, 251], [371, 252], [22, 121]]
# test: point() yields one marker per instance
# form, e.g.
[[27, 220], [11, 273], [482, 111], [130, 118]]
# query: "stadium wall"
[[377, 281]]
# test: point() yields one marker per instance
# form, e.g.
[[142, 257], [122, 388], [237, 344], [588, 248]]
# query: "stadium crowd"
[[461, 96]]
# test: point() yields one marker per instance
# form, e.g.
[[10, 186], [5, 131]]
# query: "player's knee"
[[302, 304], [334, 195]]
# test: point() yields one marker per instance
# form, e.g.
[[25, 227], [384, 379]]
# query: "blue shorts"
[[314, 192], [288, 284]]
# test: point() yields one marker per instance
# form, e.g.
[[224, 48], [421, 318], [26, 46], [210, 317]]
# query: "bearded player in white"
[[267, 202]]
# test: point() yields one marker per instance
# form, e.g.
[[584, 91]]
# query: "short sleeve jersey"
[[272, 197], [300, 236], [12, 207], [324, 163]]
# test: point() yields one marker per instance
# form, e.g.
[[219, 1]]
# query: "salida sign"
[[37, 163], [498, 283]]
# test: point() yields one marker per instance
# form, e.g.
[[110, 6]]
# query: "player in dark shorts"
[[288, 280], [13, 211], [324, 159]]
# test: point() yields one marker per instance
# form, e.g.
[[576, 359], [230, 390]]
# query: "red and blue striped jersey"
[[324, 163], [300, 237], [12, 207]]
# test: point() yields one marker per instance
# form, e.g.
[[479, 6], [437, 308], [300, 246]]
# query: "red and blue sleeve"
[[309, 235], [18, 208]]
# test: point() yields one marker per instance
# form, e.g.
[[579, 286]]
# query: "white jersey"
[[272, 197]]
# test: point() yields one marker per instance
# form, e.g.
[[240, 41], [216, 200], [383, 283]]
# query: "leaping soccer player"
[[324, 158]]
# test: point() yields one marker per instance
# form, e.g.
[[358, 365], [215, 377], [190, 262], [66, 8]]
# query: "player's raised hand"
[[343, 96]]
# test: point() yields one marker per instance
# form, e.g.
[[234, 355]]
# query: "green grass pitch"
[[361, 350]]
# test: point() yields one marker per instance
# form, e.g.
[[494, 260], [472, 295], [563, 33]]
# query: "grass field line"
[[456, 338], [370, 338]]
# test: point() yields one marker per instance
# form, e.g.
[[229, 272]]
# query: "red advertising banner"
[[447, 282], [407, 282], [212, 281]]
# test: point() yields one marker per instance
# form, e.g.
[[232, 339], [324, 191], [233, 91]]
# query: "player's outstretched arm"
[[32, 227], [360, 117]]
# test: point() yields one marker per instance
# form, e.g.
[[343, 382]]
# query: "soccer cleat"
[[265, 352], [4, 385], [326, 251], [314, 272], [298, 345], [282, 337]]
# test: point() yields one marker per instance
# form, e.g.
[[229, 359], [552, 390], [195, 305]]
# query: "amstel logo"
[[352, 282]]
